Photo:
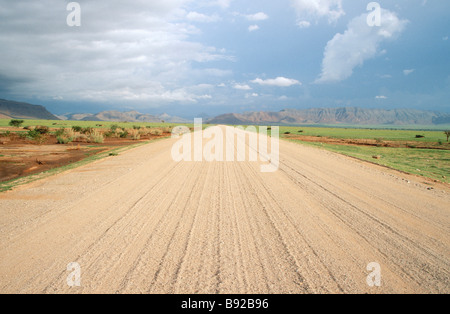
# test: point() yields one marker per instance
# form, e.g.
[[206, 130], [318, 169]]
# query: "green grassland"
[[430, 163], [384, 134], [434, 164]]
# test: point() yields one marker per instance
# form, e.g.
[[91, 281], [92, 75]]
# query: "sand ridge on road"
[[142, 223]]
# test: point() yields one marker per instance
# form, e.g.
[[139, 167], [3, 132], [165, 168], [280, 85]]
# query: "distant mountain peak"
[[21, 110], [127, 116], [343, 115]]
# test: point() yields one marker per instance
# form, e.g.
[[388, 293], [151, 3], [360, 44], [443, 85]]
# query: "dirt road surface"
[[142, 223]]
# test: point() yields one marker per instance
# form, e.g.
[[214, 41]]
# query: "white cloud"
[[199, 17], [242, 87], [253, 28], [408, 72], [224, 4], [358, 43], [381, 97], [145, 52], [445, 38], [303, 24], [313, 10], [251, 95], [261, 16], [279, 82]]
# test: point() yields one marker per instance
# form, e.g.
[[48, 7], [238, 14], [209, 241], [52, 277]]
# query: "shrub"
[[156, 132], [287, 133], [420, 136], [33, 134], [42, 130], [16, 123], [136, 127], [379, 140], [71, 133], [36, 136], [60, 132], [114, 128], [440, 142], [67, 136], [135, 134], [87, 131], [109, 134], [95, 137], [63, 140], [123, 134], [301, 131], [77, 128]]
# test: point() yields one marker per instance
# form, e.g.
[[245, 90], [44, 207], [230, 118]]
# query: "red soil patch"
[[21, 157]]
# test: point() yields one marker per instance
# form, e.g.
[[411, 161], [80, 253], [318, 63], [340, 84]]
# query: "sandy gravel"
[[141, 223]]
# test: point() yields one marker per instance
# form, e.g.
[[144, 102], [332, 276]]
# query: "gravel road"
[[142, 223]]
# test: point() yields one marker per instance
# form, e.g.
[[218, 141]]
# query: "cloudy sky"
[[187, 57]]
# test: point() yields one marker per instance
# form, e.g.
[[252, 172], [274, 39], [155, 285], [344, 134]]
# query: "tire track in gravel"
[[141, 223]]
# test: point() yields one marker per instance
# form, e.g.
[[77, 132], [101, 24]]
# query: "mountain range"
[[348, 115], [19, 110], [117, 116]]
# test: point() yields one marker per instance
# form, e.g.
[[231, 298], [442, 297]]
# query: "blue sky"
[[188, 57]]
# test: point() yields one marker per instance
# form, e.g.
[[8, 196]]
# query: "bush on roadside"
[[67, 136], [95, 137], [135, 135], [77, 128], [42, 130], [33, 134], [36, 136], [60, 132], [63, 140], [156, 132], [109, 134], [88, 131]]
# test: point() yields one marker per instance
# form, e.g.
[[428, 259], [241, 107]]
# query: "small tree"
[[16, 123], [447, 133]]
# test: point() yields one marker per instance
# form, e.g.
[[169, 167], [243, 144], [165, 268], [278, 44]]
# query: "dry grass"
[[96, 137], [135, 134]]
